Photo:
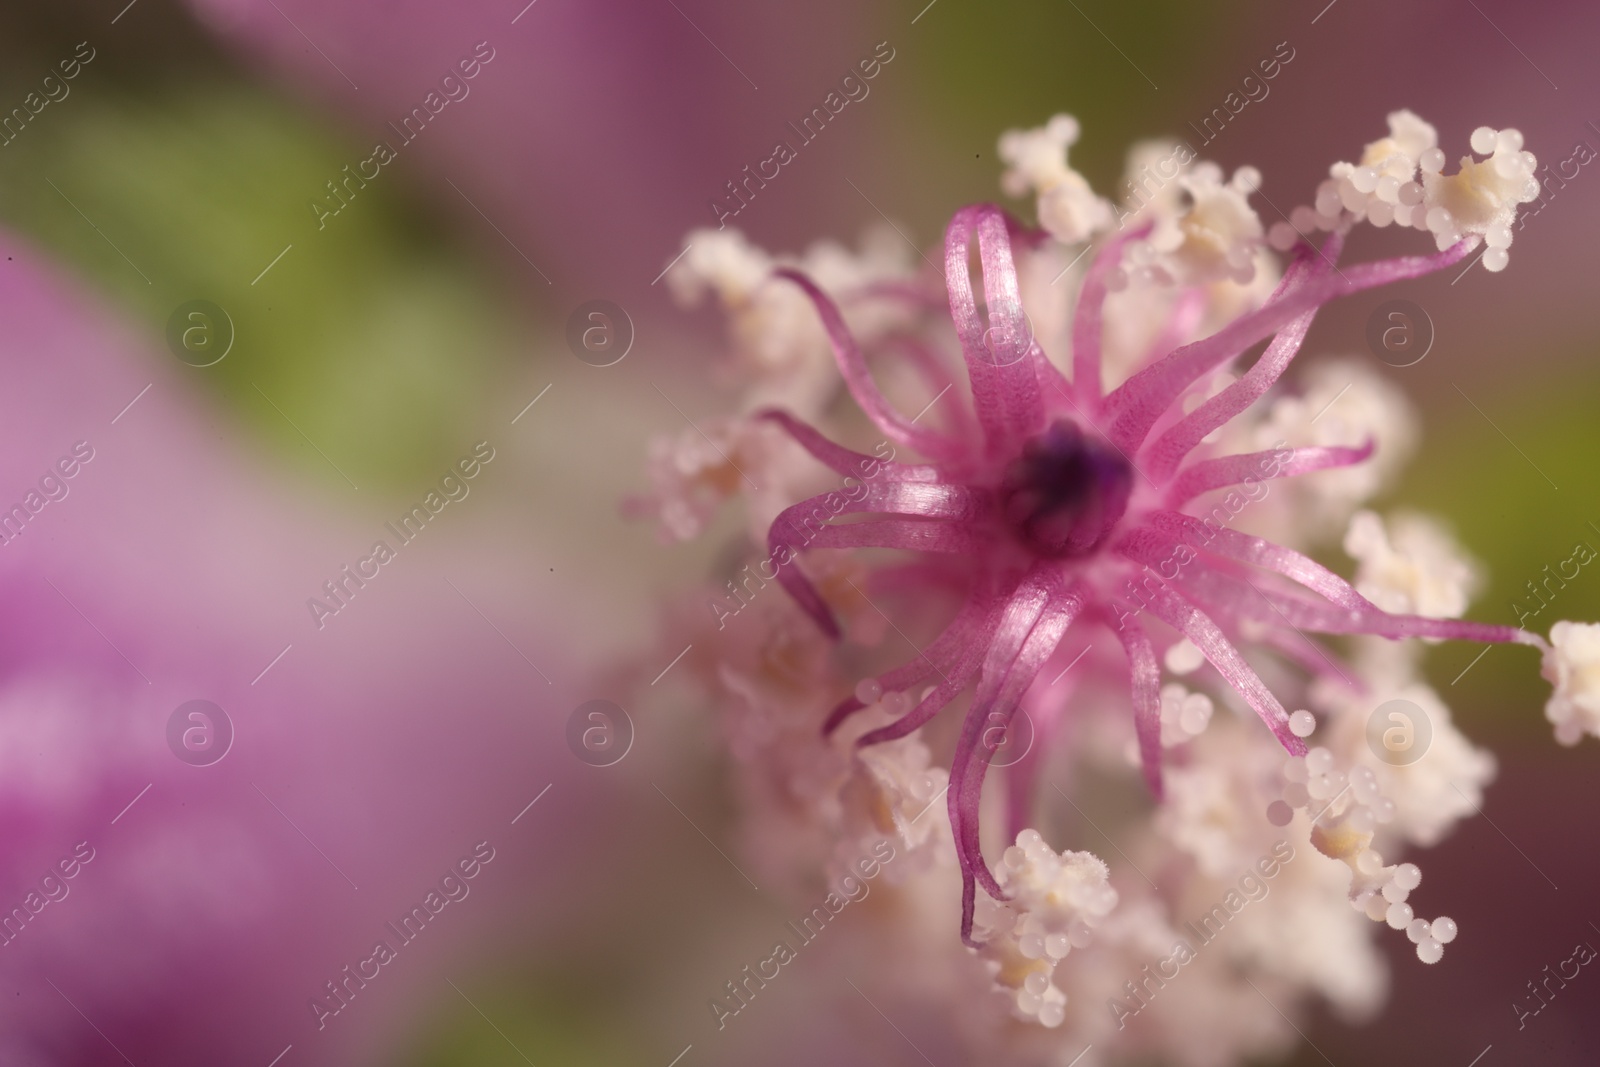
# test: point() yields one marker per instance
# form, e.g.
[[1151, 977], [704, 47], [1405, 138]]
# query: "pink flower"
[[1071, 507]]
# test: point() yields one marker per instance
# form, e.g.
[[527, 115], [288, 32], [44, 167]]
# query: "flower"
[[1053, 904], [774, 333], [1339, 402], [1401, 180], [1068, 207], [1414, 567], [1572, 665], [1072, 505], [1046, 512]]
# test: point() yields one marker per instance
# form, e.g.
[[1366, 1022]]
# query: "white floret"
[[1420, 801], [1068, 208], [1150, 179], [1572, 665], [1413, 568], [721, 261], [693, 472], [1342, 402], [1382, 188], [1055, 902], [1481, 198], [1215, 238], [777, 336], [908, 785], [1400, 180]]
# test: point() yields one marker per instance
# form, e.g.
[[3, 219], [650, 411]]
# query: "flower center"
[[1066, 491]]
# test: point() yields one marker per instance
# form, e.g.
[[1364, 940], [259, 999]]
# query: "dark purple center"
[[1065, 492]]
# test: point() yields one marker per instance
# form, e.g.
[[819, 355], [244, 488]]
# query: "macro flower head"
[[1109, 416]]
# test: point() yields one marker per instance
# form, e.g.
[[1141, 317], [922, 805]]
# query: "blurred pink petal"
[[376, 752], [598, 133]]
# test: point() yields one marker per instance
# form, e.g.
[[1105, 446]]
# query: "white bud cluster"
[[1056, 900], [1068, 208], [1482, 197], [778, 341], [906, 777], [1572, 666], [693, 472], [1411, 565], [1400, 180], [903, 786], [1348, 799], [1382, 188], [1338, 402], [1215, 238], [1346, 808], [1184, 715], [724, 262], [1381, 893]]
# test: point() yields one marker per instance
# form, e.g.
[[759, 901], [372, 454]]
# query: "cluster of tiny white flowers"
[[907, 786], [1207, 813], [1301, 937], [694, 472], [1431, 794], [1381, 189], [1184, 715], [723, 261], [1339, 402], [1203, 228], [1413, 568], [1150, 191], [1572, 665], [1215, 238], [1347, 804], [1482, 197], [1343, 829], [1068, 208], [1400, 179], [1380, 893], [1055, 901], [773, 326], [1315, 784]]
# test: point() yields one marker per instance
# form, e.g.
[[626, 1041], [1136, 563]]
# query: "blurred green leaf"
[[371, 333]]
